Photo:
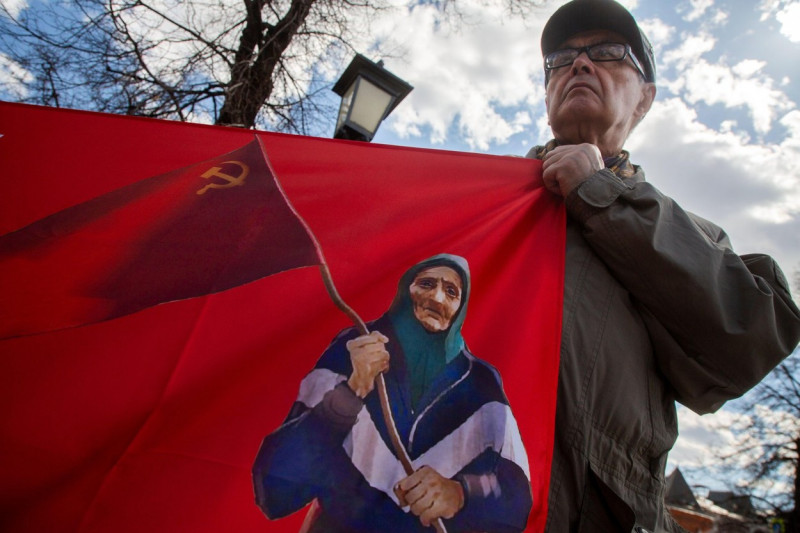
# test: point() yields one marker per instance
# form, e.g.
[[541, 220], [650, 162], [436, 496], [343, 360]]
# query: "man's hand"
[[566, 167], [369, 358], [430, 495]]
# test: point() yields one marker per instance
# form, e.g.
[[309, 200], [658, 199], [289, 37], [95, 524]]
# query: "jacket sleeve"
[[497, 495], [718, 322], [304, 458]]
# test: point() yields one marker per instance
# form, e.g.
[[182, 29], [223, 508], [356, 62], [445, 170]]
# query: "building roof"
[[735, 503], [678, 491]]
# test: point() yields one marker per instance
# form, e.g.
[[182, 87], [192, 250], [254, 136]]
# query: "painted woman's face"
[[436, 297]]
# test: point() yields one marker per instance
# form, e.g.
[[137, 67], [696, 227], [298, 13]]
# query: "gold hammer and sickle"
[[230, 181]]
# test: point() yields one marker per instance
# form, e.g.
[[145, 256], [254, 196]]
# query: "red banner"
[[152, 421]]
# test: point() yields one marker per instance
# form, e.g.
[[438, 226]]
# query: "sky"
[[722, 138]]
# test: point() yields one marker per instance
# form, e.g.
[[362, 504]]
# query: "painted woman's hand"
[[430, 495], [369, 358]]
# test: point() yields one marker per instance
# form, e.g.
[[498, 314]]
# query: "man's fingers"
[[550, 181], [566, 167], [553, 156]]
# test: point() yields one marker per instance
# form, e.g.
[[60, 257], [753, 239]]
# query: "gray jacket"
[[657, 309]]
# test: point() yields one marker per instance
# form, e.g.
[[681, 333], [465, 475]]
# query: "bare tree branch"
[[769, 440], [236, 62]]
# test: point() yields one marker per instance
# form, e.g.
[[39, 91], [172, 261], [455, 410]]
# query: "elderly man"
[[449, 408], [657, 307]]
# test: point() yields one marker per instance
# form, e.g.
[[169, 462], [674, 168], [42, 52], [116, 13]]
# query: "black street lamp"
[[369, 93]]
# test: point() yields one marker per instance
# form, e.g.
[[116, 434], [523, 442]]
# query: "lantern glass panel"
[[347, 99], [371, 103]]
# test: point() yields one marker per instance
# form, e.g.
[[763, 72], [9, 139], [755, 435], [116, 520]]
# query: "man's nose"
[[582, 63]]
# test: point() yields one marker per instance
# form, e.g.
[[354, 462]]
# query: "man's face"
[[587, 99], [436, 297]]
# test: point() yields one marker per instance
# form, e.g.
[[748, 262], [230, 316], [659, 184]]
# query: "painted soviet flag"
[[198, 230]]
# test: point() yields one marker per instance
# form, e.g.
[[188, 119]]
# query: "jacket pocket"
[[602, 510]]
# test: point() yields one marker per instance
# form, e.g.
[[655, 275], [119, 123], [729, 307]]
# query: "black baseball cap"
[[579, 16]]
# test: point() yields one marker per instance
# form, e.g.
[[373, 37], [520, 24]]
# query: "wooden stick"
[[380, 384]]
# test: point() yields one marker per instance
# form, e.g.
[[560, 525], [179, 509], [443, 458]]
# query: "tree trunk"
[[259, 52]]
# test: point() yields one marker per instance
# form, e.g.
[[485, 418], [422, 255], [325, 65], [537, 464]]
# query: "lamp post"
[[369, 93]]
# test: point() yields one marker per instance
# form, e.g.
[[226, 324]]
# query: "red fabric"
[[150, 422], [195, 231]]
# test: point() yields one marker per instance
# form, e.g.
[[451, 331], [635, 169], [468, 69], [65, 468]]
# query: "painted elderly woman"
[[450, 410]]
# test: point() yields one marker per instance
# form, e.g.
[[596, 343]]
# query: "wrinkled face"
[[436, 297], [596, 96]]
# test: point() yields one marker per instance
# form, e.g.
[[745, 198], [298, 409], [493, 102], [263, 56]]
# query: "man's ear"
[[648, 96]]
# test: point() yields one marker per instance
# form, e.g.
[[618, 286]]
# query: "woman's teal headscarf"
[[427, 353]]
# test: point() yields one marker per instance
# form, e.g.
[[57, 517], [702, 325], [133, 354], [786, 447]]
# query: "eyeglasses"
[[596, 52]]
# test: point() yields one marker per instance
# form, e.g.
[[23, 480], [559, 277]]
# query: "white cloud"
[[658, 32], [690, 50], [471, 76], [703, 11], [543, 129], [786, 12], [703, 439], [13, 78], [13, 7], [697, 8], [751, 190], [719, 17], [792, 123], [789, 17], [768, 7], [743, 85], [630, 4]]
